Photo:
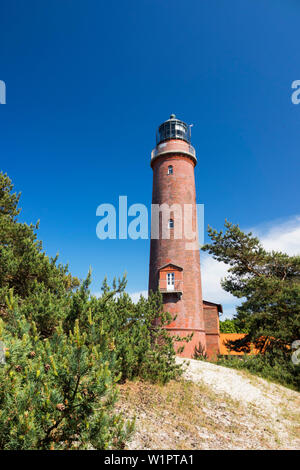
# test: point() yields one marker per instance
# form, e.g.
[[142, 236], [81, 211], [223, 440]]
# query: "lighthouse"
[[174, 251]]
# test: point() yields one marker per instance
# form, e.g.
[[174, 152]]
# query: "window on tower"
[[171, 223], [170, 281], [170, 170]]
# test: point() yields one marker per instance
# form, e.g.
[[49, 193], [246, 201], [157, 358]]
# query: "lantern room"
[[173, 129]]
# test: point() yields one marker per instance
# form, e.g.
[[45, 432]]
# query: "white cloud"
[[281, 236], [135, 296], [212, 273]]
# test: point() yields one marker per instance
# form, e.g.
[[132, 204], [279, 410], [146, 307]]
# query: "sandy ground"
[[212, 407], [238, 385]]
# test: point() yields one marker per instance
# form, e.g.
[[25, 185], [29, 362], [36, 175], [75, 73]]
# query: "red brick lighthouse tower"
[[174, 258]]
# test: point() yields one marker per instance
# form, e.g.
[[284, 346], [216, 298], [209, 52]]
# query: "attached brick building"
[[212, 330], [174, 250]]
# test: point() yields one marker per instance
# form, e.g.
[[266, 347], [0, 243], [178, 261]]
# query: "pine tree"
[[58, 393], [269, 284], [36, 279], [142, 350]]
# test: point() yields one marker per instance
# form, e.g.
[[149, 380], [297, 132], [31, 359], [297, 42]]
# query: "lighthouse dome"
[[173, 128]]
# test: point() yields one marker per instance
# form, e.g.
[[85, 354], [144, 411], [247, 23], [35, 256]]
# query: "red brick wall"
[[211, 321], [178, 188]]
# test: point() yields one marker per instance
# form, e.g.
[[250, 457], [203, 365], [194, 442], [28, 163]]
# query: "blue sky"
[[88, 83]]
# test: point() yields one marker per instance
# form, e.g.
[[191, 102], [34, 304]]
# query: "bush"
[[141, 349], [58, 393], [275, 366]]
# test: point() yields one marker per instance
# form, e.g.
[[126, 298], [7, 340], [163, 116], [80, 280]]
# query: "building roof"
[[170, 264], [224, 337]]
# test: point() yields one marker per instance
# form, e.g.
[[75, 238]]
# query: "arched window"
[[171, 223], [170, 170]]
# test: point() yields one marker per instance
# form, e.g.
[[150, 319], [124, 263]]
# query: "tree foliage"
[[231, 326], [35, 278]]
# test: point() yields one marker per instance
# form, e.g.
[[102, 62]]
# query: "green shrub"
[[141, 349], [58, 393], [275, 366]]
